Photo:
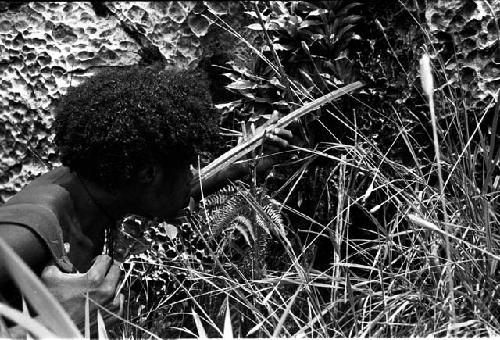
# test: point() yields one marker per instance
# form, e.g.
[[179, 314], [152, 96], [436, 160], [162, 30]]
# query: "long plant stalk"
[[256, 140], [283, 76], [428, 86]]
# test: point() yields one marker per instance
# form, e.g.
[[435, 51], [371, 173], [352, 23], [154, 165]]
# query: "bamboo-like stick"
[[252, 143]]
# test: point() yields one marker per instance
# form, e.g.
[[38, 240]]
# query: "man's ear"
[[148, 174]]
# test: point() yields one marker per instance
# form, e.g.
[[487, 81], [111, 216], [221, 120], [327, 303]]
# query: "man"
[[127, 139]]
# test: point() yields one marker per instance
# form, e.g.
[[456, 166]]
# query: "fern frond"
[[217, 200], [244, 226], [272, 210], [222, 218]]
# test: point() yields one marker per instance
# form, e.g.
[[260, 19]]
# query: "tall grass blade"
[[29, 324], [228, 328], [25, 308], [490, 163], [4, 332], [102, 334], [256, 327], [428, 86], [26, 313], [281, 321], [87, 317], [431, 226], [199, 326], [50, 311]]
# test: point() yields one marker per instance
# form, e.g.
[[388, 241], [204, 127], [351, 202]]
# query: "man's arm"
[[219, 180], [27, 245], [277, 141]]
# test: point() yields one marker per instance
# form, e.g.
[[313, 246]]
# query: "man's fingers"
[[279, 132], [283, 133], [51, 272], [113, 274], [118, 300], [277, 140], [274, 116], [118, 303], [108, 288], [101, 262], [97, 272]]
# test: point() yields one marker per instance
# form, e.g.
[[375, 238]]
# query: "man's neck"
[[106, 203]]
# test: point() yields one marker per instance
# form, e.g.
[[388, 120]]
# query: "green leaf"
[[255, 27], [280, 47], [270, 26], [241, 85], [249, 96], [228, 105], [350, 6], [318, 11], [352, 19]]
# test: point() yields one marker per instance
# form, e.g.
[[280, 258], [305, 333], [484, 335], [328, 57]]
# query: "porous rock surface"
[[467, 40], [46, 47]]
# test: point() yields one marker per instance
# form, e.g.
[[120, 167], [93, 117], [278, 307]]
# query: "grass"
[[424, 265], [53, 319], [405, 280], [427, 268]]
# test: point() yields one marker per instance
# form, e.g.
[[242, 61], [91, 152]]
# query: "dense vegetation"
[[381, 221], [371, 242]]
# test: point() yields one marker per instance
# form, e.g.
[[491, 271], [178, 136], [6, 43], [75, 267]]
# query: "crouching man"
[[127, 139]]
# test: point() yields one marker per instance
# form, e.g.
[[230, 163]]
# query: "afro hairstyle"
[[116, 122]]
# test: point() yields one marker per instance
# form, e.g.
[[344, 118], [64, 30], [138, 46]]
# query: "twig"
[[428, 86]]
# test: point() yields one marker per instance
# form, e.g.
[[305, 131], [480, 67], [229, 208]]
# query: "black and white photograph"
[[250, 169]]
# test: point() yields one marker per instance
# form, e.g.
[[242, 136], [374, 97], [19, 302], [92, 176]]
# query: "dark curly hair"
[[117, 121]]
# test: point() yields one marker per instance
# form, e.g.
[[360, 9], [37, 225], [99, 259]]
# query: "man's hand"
[[274, 146], [276, 139], [70, 289], [275, 143]]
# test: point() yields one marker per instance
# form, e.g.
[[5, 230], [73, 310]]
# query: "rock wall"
[[46, 47], [466, 39]]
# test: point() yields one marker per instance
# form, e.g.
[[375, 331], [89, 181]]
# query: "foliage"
[[366, 251], [55, 45], [376, 235], [233, 238], [311, 41]]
